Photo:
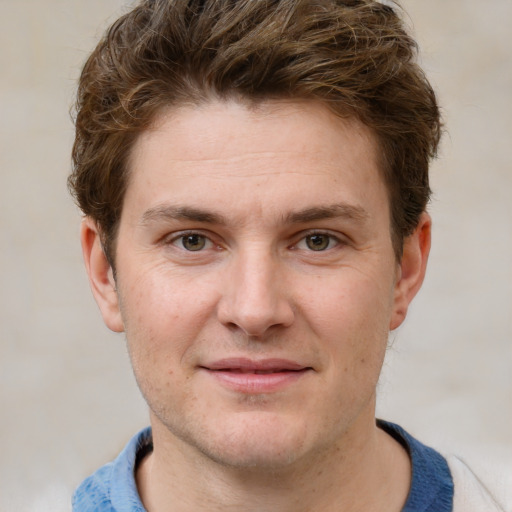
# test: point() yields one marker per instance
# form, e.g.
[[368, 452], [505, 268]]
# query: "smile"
[[256, 372], [255, 377]]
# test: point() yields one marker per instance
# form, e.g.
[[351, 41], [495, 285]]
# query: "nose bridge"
[[255, 299]]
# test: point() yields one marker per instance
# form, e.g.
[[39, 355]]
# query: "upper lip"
[[244, 364]]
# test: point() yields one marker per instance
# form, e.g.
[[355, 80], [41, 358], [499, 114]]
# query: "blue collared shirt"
[[113, 489]]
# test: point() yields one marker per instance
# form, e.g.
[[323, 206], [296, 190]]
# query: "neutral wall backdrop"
[[68, 400]]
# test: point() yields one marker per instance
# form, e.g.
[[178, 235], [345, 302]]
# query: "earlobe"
[[412, 268], [100, 274]]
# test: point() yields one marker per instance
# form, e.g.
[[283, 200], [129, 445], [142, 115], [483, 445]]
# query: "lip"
[[255, 376]]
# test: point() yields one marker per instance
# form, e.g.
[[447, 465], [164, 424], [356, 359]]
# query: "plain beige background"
[[68, 400]]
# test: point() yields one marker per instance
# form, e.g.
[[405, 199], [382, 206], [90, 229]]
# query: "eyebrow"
[[171, 212], [340, 210]]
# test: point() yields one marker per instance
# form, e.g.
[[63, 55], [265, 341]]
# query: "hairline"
[[254, 104]]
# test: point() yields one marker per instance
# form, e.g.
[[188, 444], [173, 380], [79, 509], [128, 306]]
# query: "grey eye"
[[193, 242], [318, 242]]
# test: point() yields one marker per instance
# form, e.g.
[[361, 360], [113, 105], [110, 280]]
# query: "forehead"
[[254, 158], [229, 128]]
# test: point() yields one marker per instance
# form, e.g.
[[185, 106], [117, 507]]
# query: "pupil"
[[193, 242], [318, 242]]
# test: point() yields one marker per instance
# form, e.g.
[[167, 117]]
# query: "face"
[[256, 279]]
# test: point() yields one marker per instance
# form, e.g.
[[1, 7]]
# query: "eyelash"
[[332, 241], [177, 237]]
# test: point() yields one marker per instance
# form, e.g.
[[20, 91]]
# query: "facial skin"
[[256, 282]]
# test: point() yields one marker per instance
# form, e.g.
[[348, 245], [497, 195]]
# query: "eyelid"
[[170, 238], [339, 240], [173, 237]]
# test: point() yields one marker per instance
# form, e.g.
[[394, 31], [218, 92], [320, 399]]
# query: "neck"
[[367, 471]]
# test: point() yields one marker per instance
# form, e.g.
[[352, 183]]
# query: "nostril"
[[252, 301]]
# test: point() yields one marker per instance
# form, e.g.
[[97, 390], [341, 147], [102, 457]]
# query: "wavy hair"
[[355, 56]]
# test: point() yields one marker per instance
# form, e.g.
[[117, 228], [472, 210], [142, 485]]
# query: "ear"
[[101, 277], [411, 269]]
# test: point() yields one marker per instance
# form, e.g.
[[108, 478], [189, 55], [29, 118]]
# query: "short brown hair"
[[353, 55]]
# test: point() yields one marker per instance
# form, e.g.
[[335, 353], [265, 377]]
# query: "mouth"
[[255, 372], [256, 376]]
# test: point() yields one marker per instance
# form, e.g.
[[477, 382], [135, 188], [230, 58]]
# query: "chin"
[[254, 455], [254, 440]]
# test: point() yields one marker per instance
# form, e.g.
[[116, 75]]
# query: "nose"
[[254, 299]]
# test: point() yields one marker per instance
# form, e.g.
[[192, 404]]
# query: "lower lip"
[[255, 383]]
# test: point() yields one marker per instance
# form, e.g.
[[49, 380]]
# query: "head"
[[255, 174], [353, 56]]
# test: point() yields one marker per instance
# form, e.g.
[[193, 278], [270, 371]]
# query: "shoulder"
[[93, 494], [431, 481], [471, 494], [112, 488], [446, 482]]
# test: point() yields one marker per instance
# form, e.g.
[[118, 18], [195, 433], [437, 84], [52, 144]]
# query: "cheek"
[[151, 314], [154, 300], [158, 339], [350, 301], [164, 316], [351, 318]]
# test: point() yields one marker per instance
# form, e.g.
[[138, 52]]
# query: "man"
[[254, 180]]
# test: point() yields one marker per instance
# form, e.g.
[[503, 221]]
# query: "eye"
[[318, 242], [192, 242]]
